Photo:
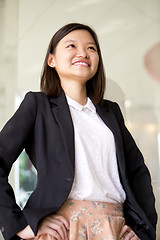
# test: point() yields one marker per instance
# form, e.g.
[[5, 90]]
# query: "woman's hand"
[[128, 234], [54, 225], [26, 233]]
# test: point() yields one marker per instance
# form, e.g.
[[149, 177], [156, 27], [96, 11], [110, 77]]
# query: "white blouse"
[[96, 171]]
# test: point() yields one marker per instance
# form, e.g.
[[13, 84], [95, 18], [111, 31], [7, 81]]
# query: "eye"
[[92, 48], [71, 46]]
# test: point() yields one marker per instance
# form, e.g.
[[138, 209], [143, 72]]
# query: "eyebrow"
[[93, 43]]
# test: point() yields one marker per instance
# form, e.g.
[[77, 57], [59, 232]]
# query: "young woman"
[[92, 180]]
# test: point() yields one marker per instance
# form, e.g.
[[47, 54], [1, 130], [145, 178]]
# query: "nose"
[[82, 53]]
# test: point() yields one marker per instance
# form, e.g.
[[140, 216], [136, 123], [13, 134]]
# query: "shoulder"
[[114, 108], [110, 105], [35, 98], [32, 102], [35, 95]]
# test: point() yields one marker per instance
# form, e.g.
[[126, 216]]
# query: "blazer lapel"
[[62, 114], [111, 122]]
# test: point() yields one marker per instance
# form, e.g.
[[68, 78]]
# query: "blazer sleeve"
[[12, 142], [138, 174]]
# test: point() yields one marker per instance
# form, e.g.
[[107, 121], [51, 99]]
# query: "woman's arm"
[[12, 142], [138, 174]]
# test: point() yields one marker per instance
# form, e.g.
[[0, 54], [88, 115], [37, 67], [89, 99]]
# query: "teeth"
[[80, 63]]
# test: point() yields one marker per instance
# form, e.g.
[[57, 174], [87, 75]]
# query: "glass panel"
[[27, 178]]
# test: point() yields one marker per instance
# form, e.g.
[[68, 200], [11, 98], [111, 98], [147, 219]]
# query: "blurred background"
[[129, 35]]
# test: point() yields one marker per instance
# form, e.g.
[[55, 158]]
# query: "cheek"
[[65, 59], [60, 62]]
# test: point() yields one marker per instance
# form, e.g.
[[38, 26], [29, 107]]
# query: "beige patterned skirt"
[[91, 220]]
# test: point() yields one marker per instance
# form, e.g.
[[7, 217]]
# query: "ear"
[[51, 60]]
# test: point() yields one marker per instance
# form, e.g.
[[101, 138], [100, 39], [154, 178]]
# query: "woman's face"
[[76, 57]]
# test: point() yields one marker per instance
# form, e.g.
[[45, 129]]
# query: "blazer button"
[[2, 229], [68, 179]]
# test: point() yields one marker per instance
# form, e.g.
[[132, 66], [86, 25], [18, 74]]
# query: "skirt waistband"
[[97, 207]]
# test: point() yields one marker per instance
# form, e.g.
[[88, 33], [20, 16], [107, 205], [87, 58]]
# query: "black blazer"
[[43, 126]]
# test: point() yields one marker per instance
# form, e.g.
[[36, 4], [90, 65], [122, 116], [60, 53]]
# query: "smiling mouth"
[[81, 64]]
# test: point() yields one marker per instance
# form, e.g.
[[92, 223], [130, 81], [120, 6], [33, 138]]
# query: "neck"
[[76, 91]]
